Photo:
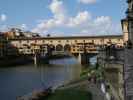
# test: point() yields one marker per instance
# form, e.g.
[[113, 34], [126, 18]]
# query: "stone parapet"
[[128, 74]]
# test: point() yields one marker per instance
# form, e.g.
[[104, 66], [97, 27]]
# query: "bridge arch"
[[59, 47], [67, 47], [52, 47]]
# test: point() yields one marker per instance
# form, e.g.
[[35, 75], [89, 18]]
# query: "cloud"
[[57, 8], [83, 23], [69, 22], [102, 25], [3, 17], [81, 18], [60, 19], [88, 1]]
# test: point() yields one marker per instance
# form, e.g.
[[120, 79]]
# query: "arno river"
[[21, 80]]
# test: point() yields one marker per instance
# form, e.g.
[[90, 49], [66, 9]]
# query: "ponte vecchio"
[[73, 44]]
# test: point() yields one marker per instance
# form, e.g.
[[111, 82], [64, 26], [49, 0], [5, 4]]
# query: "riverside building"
[[111, 58], [127, 26], [82, 47], [2, 45], [118, 62], [6, 48]]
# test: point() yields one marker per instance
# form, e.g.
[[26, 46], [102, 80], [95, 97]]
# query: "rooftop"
[[70, 37]]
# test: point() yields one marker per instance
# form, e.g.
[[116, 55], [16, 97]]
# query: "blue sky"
[[63, 17]]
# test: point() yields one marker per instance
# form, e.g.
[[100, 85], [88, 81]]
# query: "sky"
[[63, 17]]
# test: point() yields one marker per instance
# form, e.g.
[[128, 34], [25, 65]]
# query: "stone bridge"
[[84, 45]]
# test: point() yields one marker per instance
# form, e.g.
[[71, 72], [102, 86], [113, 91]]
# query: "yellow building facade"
[[72, 44]]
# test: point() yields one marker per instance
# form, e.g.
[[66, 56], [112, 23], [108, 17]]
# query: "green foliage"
[[96, 70], [70, 94], [85, 72]]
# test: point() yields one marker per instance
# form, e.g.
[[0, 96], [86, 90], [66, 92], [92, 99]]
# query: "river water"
[[21, 80]]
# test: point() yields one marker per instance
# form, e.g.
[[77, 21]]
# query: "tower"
[[124, 23], [129, 13], [128, 53]]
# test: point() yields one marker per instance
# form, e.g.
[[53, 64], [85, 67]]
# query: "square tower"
[[129, 13], [127, 26]]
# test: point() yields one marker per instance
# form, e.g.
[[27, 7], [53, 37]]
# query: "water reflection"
[[22, 80], [93, 60]]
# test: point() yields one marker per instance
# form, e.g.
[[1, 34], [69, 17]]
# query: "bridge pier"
[[83, 58], [79, 58]]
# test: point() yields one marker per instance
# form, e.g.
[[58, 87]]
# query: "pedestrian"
[[94, 79], [112, 98], [108, 97], [103, 88], [89, 77]]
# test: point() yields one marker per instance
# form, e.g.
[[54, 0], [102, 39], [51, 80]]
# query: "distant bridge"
[[75, 45]]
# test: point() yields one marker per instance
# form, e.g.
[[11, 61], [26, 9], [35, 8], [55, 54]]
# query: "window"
[[43, 41], [27, 41], [131, 24], [119, 39], [73, 46], [35, 41], [132, 6], [67, 40], [20, 41]]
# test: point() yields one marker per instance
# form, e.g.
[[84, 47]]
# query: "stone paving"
[[96, 92], [128, 73]]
